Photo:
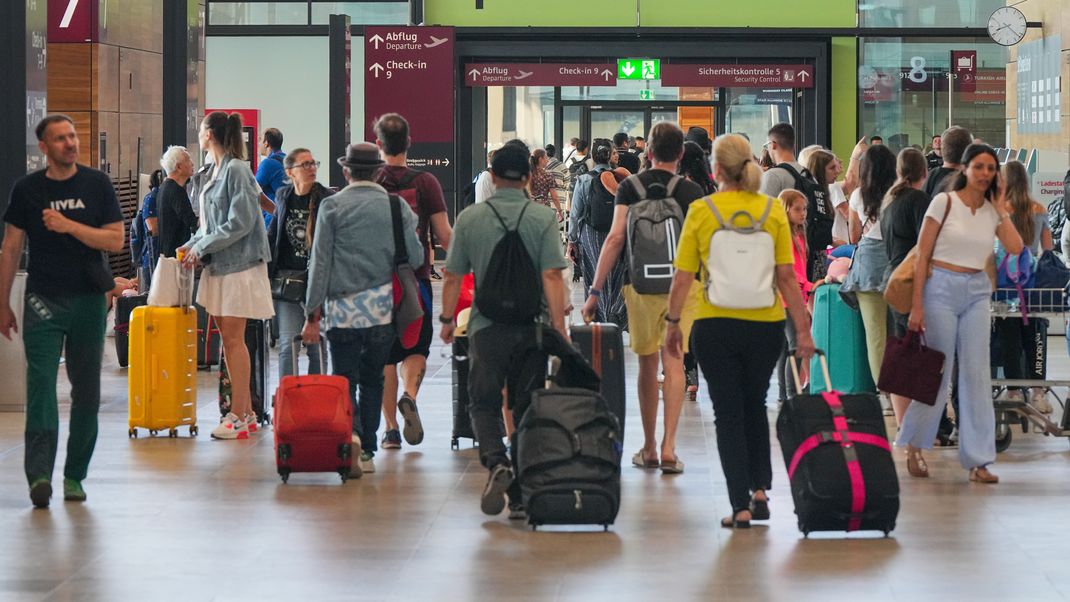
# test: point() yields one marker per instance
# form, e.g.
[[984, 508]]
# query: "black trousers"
[[502, 355], [737, 358]]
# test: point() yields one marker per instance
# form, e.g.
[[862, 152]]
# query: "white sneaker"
[[251, 423], [367, 464], [1038, 398], [231, 427]]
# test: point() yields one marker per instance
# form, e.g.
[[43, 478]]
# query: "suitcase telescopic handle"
[[298, 342], [795, 370]]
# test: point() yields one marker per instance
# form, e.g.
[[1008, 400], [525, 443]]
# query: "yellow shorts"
[[646, 319]]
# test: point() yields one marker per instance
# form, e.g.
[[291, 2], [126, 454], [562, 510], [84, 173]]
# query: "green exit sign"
[[638, 69], [647, 95]]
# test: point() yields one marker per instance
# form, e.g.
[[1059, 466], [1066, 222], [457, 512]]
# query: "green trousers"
[[73, 324]]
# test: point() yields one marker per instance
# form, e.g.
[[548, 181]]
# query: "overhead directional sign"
[[638, 69], [738, 76], [478, 75], [409, 70]]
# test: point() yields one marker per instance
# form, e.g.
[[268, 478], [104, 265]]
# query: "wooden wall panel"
[[83, 125], [140, 81], [70, 77], [133, 24], [132, 126], [107, 123], [106, 78]]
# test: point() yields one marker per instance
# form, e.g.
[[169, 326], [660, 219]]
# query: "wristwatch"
[[444, 319], [671, 320]]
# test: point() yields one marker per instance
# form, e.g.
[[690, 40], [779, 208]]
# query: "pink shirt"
[[798, 251]]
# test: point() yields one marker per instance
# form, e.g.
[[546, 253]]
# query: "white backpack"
[[741, 263]]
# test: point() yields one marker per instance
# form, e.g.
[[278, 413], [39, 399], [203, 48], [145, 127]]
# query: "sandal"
[[734, 522], [916, 465], [981, 474], [674, 466], [640, 461], [759, 509]]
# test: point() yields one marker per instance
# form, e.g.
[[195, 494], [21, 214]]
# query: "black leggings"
[[737, 358]]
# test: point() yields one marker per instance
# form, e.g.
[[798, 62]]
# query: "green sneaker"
[[72, 491], [40, 492]]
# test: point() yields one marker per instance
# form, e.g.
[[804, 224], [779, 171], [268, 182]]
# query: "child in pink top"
[[795, 205]]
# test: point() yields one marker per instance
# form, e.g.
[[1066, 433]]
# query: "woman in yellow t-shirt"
[[737, 349]]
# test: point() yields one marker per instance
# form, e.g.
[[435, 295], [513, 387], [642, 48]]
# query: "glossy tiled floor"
[[182, 519]]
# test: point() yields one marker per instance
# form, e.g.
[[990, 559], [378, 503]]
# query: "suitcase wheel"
[[344, 474], [455, 444], [154, 432], [132, 433], [193, 431], [172, 434], [284, 475]]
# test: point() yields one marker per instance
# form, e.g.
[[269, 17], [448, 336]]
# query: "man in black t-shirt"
[[175, 218], [935, 157], [953, 143], [647, 312], [625, 159], [70, 216]]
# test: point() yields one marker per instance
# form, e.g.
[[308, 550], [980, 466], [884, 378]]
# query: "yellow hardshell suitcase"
[[162, 377]]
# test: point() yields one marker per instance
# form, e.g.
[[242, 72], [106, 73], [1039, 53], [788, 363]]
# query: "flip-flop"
[[641, 462], [675, 466]]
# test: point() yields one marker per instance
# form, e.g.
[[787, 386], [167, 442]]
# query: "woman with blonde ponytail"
[[232, 244], [737, 349]]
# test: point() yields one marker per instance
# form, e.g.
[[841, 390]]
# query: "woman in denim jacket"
[[232, 244]]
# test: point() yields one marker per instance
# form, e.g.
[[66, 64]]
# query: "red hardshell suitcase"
[[603, 346], [313, 422]]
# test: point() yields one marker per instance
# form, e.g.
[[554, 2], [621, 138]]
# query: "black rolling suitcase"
[[839, 460], [256, 340], [603, 347], [123, 307], [462, 423], [568, 453]]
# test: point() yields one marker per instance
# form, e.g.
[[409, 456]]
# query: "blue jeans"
[[291, 321], [957, 323], [360, 355]]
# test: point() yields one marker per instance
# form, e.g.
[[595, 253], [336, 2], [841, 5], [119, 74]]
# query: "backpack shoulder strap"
[[670, 189], [713, 209], [401, 255], [639, 188], [765, 215], [409, 177], [499, 216]]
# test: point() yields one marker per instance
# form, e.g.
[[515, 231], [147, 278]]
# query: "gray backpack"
[[654, 225]]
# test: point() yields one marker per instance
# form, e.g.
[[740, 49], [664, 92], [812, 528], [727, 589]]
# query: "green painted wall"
[[766, 13], [654, 13], [844, 96], [543, 13]]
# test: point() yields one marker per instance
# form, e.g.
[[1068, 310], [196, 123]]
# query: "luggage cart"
[[1050, 304]]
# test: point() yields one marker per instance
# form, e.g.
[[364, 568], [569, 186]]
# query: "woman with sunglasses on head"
[[290, 235], [951, 305]]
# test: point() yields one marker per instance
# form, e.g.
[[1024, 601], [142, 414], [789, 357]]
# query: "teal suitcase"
[[838, 330]]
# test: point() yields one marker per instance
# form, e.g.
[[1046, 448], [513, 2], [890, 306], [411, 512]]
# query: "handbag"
[[900, 290], [172, 285], [289, 285], [912, 369], [408, 308]]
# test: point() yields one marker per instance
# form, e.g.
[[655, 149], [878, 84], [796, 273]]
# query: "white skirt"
[[245, 294]]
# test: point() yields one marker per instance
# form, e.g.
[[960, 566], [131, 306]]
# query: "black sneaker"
[[517, 512], [493, 500], [391, 439], [41, 493], [413, 429]]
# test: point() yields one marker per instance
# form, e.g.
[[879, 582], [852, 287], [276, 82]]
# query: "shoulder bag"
[[900, 290], [408, 309]]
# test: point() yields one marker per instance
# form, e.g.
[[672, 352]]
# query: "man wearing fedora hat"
[[351, 286]]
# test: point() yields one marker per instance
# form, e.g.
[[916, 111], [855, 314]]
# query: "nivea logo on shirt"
[[67, 204]]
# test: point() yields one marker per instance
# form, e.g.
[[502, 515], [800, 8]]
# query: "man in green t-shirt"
[[497, 351]]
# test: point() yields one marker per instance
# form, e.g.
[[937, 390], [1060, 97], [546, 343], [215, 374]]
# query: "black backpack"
[[819, 212], [511, 291], [600, 203]]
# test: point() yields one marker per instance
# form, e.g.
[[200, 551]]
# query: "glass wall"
[[904, 89], [307, 12], [926, 13], [526, 113]]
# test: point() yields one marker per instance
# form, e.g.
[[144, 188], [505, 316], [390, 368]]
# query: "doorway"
[[588, 121]]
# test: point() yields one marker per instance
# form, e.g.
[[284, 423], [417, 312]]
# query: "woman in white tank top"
[[951, 306]]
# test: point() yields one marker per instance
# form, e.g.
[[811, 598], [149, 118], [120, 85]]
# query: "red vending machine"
[[250, 119]]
